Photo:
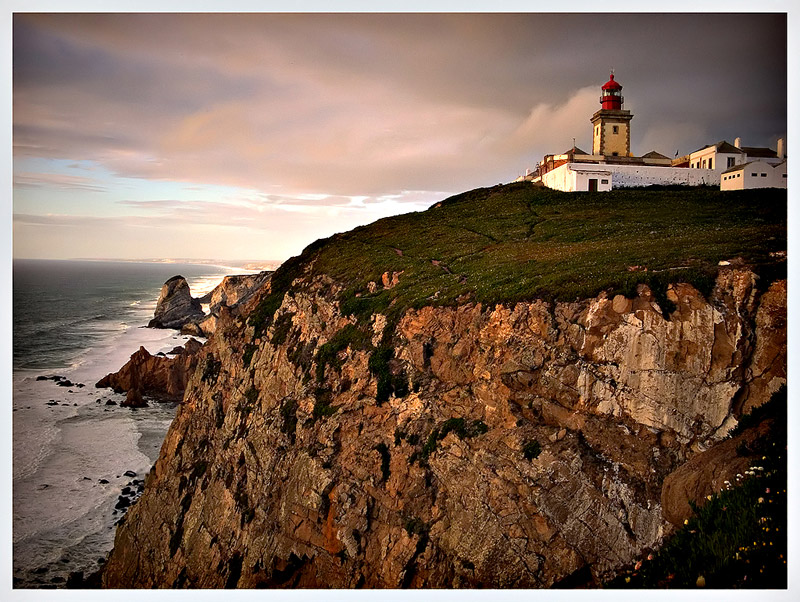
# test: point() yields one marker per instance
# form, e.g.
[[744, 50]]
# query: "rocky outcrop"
[[160, 377], [176, 306], [233, 292], [505, 446], [707, 473], [234, 289]]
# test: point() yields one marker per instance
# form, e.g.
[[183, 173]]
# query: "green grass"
[[738, 538], [518, 242]]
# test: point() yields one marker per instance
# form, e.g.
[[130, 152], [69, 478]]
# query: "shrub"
[[531, 450], [211, 370], [247, 355], [328, 354], [383, 450], [282, 326]]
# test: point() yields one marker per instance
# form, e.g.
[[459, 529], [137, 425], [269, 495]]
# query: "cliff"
[[403, 421]]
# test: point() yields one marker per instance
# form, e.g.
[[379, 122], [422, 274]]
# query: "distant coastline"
[[244, 264]]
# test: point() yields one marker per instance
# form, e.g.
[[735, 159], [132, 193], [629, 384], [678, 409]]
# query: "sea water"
[[71, 450]]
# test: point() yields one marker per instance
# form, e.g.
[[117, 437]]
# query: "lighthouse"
[[611, 131]]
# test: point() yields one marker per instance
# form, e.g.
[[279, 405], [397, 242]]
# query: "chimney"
[[738, 142], [781, 148]]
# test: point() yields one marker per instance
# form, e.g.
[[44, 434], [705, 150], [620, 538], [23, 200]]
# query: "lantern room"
[[611, 132], [612, 95]]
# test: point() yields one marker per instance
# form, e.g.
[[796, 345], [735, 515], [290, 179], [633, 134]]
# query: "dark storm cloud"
[[375, 104]]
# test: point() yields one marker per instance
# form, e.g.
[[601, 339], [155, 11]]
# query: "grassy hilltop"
[[515, 242]]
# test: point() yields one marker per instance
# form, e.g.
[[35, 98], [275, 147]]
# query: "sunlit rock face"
[[176, 306], [277, 472]]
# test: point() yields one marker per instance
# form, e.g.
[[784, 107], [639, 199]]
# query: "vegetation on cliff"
[[519, 242], [738, 538]]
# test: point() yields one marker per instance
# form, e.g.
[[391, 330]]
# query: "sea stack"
[[175, 306]]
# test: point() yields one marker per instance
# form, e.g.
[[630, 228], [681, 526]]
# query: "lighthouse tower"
[[611, 131]]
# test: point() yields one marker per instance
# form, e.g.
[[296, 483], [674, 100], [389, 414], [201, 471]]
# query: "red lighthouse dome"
[[612, 95]]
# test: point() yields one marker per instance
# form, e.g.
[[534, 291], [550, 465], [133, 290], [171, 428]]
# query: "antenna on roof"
[[573, 142]]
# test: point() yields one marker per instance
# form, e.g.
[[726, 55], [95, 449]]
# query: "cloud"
[[337, 104], [56, 180], [322, 121]]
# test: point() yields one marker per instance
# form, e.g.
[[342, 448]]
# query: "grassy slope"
[[517, 241]]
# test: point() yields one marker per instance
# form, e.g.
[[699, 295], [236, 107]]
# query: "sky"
[[248, 136]]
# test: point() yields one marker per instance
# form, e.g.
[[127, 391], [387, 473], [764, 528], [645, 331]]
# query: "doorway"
[[592, 184]]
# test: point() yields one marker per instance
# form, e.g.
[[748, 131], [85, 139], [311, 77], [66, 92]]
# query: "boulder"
[[134, 399], [176, 306]]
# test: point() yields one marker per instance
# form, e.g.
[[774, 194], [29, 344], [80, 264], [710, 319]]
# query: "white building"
[[600, 177], [719, 156], [754, 174], [723, 155]]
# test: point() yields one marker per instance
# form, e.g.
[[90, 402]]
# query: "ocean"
[[71, 447]]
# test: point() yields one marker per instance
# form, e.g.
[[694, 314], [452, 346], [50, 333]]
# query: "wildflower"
[[649, 556], [627, 579], [767, 490], [701, 581], [761, 500], [685, 521], [708, 497], [638, 565]]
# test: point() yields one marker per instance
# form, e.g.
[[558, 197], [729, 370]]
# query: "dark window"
[[755, 175], [784, 175], [614, 154], [731, 161], [763, 175], [606, 181], [615, 129], [711, 163]]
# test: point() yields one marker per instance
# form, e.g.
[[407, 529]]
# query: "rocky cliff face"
[[506, 446]]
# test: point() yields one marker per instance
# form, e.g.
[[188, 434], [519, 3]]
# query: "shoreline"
[[74, 445]]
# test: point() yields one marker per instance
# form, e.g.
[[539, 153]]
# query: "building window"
[[731, 161], [784, 175], [704, 163], [614, 154], [606, 181], [763, 175], [711, 163], [615, 129], [755, 175]]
